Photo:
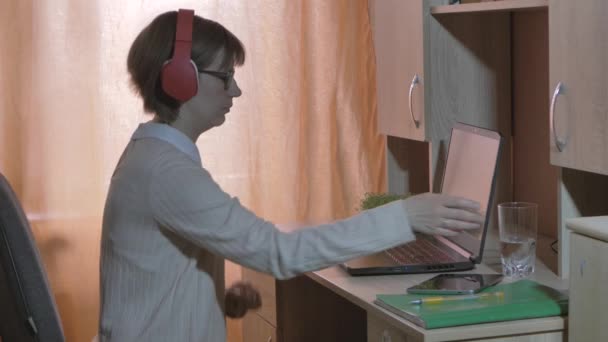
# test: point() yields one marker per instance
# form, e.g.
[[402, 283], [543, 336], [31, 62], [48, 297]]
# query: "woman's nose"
[[234, 89]]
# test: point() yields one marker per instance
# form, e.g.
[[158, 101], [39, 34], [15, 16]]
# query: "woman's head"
[[214, 48]]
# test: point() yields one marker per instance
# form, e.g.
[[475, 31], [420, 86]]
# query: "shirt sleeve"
[[186, 200]]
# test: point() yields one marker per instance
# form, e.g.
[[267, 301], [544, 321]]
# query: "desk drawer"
[[546, 337], [266, 285], [256, 329], [380, 331]]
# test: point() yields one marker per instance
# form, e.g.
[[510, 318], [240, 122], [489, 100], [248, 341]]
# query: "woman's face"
[[208, 108]]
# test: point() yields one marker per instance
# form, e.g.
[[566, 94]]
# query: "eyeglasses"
[[227, 77]]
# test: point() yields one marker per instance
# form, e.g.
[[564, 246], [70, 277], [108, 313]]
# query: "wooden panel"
[[469, 70], [407, 166], [578, 53], [593, 227], [545, 337], [579, 194], [379, 330], [534, 178], [265, 284], [397, 28], [258, 330], [234, 327], [308, 312], [491, 6], [588, 300], [546, 252]]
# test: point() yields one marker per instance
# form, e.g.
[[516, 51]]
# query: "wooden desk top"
[[362, 292], [595, 227]]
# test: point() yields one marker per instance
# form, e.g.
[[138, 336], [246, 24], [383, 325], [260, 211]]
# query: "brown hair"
[[154, 45]]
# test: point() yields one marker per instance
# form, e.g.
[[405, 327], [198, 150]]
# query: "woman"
[[168, 226]]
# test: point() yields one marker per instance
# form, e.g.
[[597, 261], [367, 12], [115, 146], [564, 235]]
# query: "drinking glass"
[[517, 225]]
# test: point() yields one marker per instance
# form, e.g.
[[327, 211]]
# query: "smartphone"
[[456, 283]]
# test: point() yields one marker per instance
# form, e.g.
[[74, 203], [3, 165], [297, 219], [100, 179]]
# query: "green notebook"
[[521, 300]]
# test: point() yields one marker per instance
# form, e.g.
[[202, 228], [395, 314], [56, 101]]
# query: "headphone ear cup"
[[179, 79]]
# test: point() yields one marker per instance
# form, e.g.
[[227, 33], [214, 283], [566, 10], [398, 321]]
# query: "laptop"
[[470, 172]]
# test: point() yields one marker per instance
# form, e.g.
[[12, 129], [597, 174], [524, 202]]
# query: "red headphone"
[[179, 75]]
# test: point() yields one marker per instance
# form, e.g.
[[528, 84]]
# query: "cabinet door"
[[256, 329], [397, 27], [265, 284], [587, 320], [578, 51], [380, 331]]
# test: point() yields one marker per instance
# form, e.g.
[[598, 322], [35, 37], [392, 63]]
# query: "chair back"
[[27, 311]]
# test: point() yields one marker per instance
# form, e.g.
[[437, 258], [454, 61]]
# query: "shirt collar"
[[168, 134]]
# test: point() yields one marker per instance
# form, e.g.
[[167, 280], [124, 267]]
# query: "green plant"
[[371, 199]]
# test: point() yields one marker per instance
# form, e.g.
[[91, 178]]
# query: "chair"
[[27, 311]]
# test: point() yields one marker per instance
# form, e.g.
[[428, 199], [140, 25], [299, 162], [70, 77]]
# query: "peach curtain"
[[300, 144]]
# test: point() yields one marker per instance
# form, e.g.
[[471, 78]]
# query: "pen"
[[441, 299]]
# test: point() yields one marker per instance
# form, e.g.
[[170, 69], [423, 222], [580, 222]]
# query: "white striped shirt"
[[168, 226]]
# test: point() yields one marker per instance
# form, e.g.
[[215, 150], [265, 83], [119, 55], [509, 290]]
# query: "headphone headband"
[[179, 76], [183, 34]]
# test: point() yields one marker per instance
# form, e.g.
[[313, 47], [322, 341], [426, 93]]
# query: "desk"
[[331, 306], [384, 326]]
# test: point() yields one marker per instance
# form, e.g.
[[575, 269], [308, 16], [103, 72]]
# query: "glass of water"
[[517, 224]]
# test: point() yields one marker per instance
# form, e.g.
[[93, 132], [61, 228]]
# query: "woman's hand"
[[441, 214], [240, 297]]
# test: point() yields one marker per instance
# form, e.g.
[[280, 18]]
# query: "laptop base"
[[381, 264]]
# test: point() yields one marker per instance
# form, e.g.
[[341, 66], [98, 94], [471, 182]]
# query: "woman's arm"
[[185, 199]]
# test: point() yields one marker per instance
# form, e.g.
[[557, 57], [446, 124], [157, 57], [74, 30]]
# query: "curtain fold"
[[299, 145]]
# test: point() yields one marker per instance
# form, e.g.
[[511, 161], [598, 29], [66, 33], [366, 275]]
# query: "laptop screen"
[[469, 173]]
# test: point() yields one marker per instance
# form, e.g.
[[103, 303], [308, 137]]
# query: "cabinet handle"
[[415, 81], [560, 144]]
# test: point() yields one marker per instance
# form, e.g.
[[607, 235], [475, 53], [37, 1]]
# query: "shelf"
[[491, 6]]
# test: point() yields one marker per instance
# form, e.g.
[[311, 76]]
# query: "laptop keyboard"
[[425, 250]]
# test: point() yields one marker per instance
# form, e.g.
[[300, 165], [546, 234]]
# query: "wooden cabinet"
[[398, 42], [265, 284], [298, 310], [256, 329], [432, 71], [578, 51], [588, 278], [380, 331], [261, 325]]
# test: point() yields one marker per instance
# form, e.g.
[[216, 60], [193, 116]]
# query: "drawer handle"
[[415, 81], [560, 144]]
